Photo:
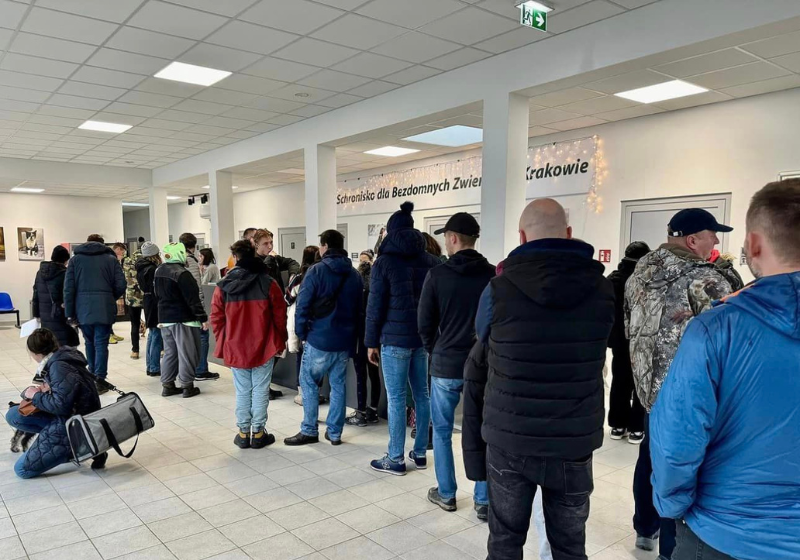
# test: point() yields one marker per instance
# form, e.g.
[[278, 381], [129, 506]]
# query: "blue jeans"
[[401, 367], [445, 394], [155, 344], [252, 396], [45, 459], [202, 365], [96, 339], [316, 363]]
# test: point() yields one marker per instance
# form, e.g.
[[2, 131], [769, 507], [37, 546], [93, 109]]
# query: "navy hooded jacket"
[[338, 331], [395, 288], [93, 285]]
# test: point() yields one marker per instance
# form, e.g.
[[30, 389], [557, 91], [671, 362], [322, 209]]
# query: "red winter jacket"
[[248, 316]]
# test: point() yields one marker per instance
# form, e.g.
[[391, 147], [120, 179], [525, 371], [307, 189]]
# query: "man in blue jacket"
[[93, 284], [326, 318], [726, 426]]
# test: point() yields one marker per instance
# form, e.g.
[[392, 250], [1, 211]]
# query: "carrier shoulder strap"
[[112, 439]]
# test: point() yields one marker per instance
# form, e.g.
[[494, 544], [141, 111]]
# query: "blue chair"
[[7, 307]]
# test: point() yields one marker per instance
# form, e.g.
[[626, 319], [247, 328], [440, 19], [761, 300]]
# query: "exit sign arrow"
[[531, 17]]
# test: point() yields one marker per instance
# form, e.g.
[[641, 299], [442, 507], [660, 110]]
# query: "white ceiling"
[[65, 61]]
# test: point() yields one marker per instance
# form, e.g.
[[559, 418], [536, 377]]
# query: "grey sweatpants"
[[181, 354]]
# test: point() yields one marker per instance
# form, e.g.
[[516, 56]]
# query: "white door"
[[438, 222], [292, 241], [646, 220]]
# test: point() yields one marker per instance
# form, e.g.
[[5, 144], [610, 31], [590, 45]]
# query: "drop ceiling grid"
[[63, 91]]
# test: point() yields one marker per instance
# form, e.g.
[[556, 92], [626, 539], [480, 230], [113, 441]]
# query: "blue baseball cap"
[[694, 220]]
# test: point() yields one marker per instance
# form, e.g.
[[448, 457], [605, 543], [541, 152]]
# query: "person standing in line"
[[392, 336], [133, 300], [368, 376], [247, 235], [120, 250], [193, 266], [724, 263], [726, 425], [326, 319], [145, 275], [208, 267], [625, 416], [248, 301], [446, 320], [545, 321], [92, 286], [48, 298], [668, 288], [181, 318], [295, 345]]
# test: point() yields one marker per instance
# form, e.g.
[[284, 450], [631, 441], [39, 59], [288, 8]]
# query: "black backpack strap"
[[337, 292], [112, 439]]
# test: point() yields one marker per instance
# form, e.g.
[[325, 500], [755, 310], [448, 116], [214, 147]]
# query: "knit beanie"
[[149, 249], [175, 253], [402, 219], [60, 254]]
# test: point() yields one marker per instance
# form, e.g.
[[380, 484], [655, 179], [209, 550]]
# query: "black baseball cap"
[[462, 223], [693, 220]]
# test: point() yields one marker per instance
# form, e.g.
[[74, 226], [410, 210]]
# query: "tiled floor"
[[189, 493]]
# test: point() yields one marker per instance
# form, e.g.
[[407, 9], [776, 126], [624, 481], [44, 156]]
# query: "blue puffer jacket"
[[72, 391], [93, 285], [338, 331], [726, 426], [395, 288]]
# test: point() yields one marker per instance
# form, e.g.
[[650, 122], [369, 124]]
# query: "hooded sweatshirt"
[[93, 284], [447, 309], [726, 427], [176, 291]]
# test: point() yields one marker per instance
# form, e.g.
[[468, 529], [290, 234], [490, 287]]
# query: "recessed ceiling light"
[[100, 126], [191, 74], [458, 135], [26, 190], [391, 151], [534, 5], [136, 204], [174, 198], [662, 92]]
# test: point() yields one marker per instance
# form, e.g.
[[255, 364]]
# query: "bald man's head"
[[544, 219]]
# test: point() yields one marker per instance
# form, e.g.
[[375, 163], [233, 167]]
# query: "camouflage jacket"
[[133, 294], [669, 287]]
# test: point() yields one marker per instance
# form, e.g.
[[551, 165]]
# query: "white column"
[[159, 216], [320, 164], [223, 233], [505, 160]]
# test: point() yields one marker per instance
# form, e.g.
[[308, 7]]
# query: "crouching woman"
[[68, 389]]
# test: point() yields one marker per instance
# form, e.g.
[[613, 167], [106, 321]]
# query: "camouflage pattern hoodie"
[[669, 287], [133, 294]]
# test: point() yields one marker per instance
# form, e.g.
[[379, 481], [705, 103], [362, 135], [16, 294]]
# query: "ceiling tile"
[[284, 120], [210, 130], [317, 53], [150, 99], [410, 13], [249, 37], [169, 87], [790, 61], [5, 37], [630, 113], [344, 4], [277, 69], [224, 8], [416, 47], [127, 62], [195, 106], [458, 58], [166, 124], [67, 26], [49, 47], [582, 15], [563, 97], [310, 110], [148, 42], [334, 81], [24, 106], [548, 116], [738, 75], [296, 16], [116, 11], [371, 65], [35, 65], [41, 83], [276, 105], [764, 86], [176, 20], [512, 40], [775, 46], [373, 89], [706, 63], [411, 75], [580, 122], [222, 58], [22, 94], [69, 112], [249, 84], [598, 105], [469, 26], [693, 100], [631, 4], [247, 113], [228, 97], [154, 132], [11, 14], [339, 100], [229, 122], [131, 109], [358, 32], [307, 94], [77, 102], [91, 90], [104, 76], [625, 82]]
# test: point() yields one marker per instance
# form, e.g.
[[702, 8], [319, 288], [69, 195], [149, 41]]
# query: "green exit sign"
[[532, 17]]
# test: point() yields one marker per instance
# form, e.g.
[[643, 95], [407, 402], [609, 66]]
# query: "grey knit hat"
[[149, 249]]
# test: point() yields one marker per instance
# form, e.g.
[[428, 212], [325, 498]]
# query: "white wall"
[[186, 219], [65, 219], [136, 223]]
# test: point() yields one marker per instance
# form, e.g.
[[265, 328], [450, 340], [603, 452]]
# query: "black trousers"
[[365, 370], [625, 410], [691, 547], [135, 314], [566, 487]]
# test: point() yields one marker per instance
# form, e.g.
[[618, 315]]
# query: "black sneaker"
[[635, 438], [300, 439], [242, 440], [170, 390], [333, 441], [385, 464], [273, 394], [372, 416], [618, 433], [261, 439], [190, 391], [446, 504], [357, 419], [99, 462], [102, 387], [482, 511], [421, 462], [153, 374], [206, 376], [38, 378]]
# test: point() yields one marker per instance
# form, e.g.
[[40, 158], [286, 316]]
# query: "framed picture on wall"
[[30, 244], [2, 246]]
